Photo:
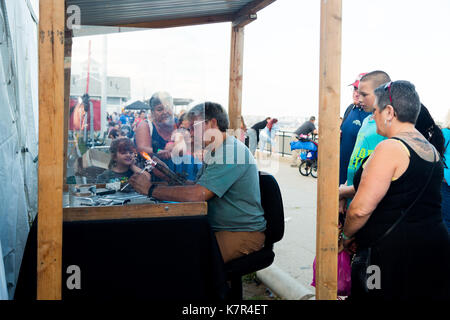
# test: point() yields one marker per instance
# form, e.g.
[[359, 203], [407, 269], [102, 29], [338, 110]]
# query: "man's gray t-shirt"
[[232, 175], [305, 128]]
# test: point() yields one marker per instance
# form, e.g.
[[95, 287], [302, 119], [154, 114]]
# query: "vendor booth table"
[[128, 256]]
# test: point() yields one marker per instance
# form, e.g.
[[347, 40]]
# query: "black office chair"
[[272, 204]]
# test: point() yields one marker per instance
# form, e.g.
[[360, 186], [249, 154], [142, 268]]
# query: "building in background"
[[118, 91]]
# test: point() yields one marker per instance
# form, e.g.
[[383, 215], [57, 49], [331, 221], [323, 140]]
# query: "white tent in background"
[[18, 135], [3, 290]]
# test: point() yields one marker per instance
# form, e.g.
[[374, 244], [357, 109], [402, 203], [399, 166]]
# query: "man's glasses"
[[195, 124]]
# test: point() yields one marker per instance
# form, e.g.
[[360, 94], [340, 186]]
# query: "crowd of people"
[[394, 193], [197, 143]]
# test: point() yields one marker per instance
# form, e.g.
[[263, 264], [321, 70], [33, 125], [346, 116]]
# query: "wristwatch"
[[151, 189]]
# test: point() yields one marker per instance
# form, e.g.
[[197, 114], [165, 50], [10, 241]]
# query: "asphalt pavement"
[[295, 253]]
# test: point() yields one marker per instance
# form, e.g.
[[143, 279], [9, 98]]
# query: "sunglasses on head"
[[388, 86]]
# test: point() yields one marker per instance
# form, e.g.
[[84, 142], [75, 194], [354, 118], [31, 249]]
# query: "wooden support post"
[[50, 170], [67, 73], [236, 70], [328, 156]]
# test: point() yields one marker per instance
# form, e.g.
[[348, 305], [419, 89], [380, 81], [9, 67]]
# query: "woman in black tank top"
[[413, 260]]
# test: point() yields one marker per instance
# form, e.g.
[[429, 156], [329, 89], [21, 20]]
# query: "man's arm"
[[193, 193], [189, 193]]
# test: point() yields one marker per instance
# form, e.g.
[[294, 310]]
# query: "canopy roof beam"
[[181, 22]]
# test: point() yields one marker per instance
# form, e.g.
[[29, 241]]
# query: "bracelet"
[[344, 236], [151, 189]]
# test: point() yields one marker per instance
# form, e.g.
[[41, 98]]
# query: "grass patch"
[[251, 277]]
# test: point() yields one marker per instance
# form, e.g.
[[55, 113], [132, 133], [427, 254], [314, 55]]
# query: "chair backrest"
[[272, 204]]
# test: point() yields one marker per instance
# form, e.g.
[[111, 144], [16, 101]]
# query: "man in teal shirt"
[[228, 181], [367, 138], [366, 141]]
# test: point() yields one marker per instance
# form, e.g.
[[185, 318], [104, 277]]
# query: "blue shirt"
[[123, 119], [350, 128], [446, 133]]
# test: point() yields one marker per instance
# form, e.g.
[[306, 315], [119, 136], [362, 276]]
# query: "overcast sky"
[[409, 39]]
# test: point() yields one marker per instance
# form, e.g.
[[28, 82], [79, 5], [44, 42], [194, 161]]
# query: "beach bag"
[[344, 273]]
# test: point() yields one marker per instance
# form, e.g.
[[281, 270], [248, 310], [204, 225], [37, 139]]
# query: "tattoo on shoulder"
[[417, 142]]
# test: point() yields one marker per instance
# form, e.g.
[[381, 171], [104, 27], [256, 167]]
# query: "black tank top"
[[401, 193], [158, 142]]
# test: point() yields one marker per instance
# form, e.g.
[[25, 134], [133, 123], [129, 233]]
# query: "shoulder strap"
[[349, 108], [404, 213], [150, 127]]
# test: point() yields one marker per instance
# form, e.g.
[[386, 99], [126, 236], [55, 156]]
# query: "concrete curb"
[[283, 285]]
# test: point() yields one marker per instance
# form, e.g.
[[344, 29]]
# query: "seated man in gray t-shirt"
[[228, 181]]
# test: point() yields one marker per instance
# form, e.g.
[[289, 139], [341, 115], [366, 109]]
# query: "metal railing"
[[283, 140]]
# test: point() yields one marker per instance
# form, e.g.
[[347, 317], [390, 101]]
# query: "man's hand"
[[140, 182]]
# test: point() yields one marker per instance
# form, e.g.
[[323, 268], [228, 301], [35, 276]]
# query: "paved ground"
[[296, 251]]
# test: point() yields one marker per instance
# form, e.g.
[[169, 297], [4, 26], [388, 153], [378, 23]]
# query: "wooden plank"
[[236, 73], [253, 7], [136, 211], [181, 22], [328, 156], [242, 21], [51, 146], [67, 73]]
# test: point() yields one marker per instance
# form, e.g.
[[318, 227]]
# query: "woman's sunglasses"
[[388, 86]]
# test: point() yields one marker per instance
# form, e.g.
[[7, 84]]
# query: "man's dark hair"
[[312, 118], [377, 77], [208, 111]]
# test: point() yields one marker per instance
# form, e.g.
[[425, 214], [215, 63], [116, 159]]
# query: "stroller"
[[308, 156]]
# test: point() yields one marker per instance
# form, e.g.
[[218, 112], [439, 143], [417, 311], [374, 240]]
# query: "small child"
[[122, 163]]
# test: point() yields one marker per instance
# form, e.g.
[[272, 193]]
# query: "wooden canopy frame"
[[54, 82]]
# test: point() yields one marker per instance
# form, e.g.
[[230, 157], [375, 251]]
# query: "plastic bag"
[[344, 273]]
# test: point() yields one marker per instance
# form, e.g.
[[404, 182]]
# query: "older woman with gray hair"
[[395, 220], [155, 137]]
